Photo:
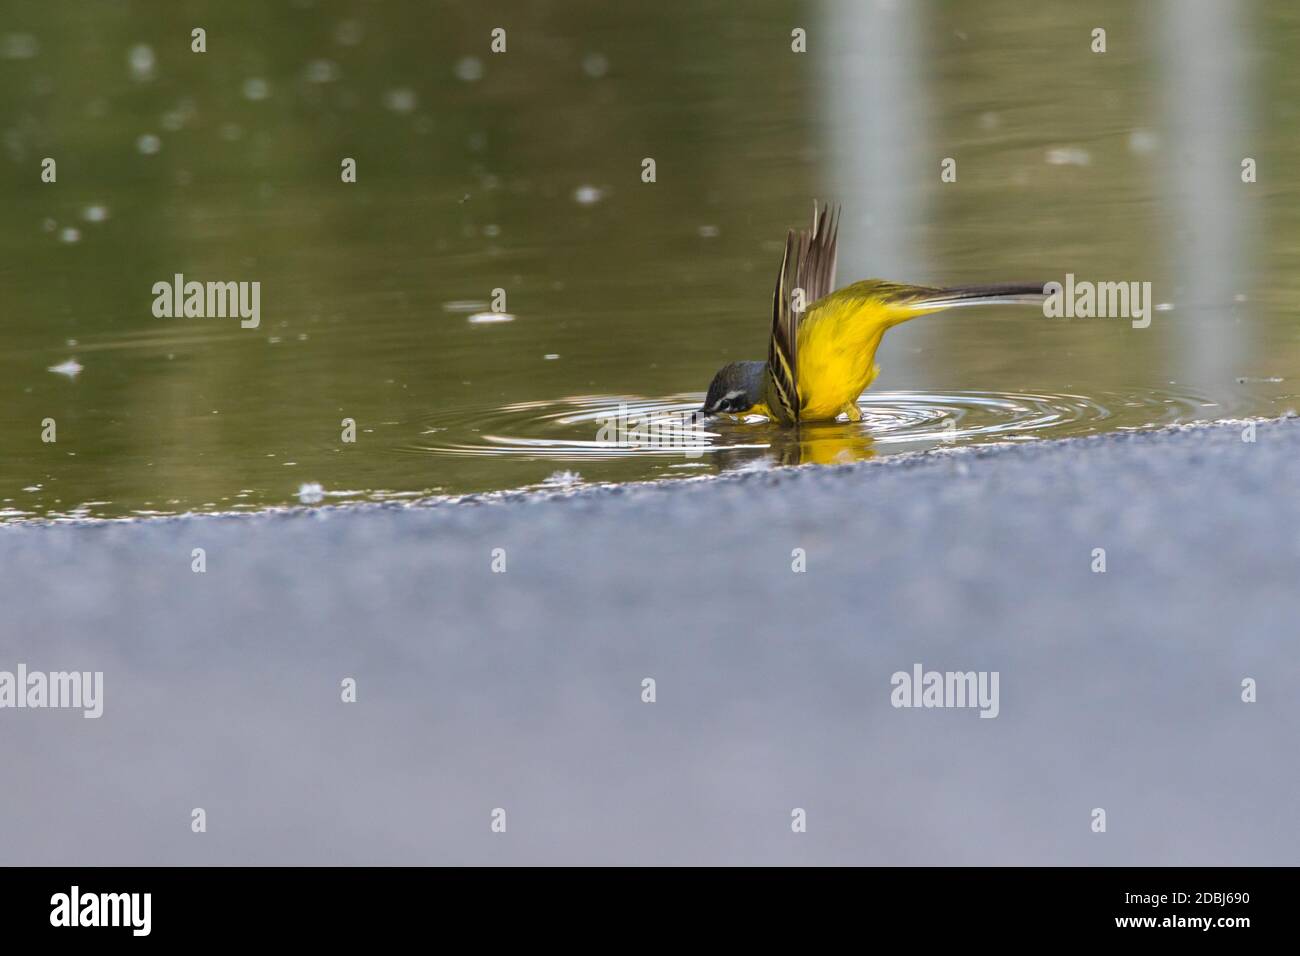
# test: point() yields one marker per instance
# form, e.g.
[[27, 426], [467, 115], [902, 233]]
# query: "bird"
[[822, 347]]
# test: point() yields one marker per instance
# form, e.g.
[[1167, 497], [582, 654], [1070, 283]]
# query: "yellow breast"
[[838, 338]]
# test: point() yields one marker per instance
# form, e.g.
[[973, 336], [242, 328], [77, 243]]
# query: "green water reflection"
[[521, 171]]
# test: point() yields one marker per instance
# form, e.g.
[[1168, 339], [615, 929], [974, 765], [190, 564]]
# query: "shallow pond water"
[[499, 280]]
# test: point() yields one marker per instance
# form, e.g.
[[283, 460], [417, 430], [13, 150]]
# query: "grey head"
[[736, 388]]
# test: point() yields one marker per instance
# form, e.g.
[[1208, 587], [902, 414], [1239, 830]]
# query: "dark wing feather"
[[781, 344], [808, 265]]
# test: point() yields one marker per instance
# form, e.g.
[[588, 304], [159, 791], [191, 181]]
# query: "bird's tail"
[[918, 300]]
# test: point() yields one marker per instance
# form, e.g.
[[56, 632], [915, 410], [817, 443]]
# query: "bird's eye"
[[730, 403]]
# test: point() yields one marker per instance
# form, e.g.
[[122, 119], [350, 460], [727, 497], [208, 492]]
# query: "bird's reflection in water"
[[821, 443], [824, 443]]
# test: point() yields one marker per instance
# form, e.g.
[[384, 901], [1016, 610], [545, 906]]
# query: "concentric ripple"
[[594, 428]]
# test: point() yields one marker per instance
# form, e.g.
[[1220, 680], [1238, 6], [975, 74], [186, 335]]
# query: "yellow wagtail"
[[822, 349]]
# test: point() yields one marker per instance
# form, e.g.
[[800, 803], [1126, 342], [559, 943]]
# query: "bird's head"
[[736, 389]]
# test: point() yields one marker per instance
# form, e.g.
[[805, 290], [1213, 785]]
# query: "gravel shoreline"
[[522, 690]]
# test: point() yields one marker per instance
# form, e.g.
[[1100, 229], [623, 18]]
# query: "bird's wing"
[[807, 274]]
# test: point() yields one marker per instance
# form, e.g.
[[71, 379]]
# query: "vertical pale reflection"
[[1204, 74], [873, 119]]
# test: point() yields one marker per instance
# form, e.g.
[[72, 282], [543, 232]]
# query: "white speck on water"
[[491, 231], [483, 318], [33, 488], [94, 213], [1143, 141], [1239, 297], [464, 305], [708, 232], [71, 368], [595, 65], [140, 60], [71, 343], [175, 119], [469, 69], [70, 234], [1164, 307], [274, 339], [321, 71], [349, 33], [256, 88], [1068, 156], [587, 195], [18, 46], [310, 492], [49, 225], [563, 479], [400, 100], [551, 356], [148, 144]]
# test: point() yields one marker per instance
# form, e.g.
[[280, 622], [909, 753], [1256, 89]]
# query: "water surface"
[[522, 172]]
